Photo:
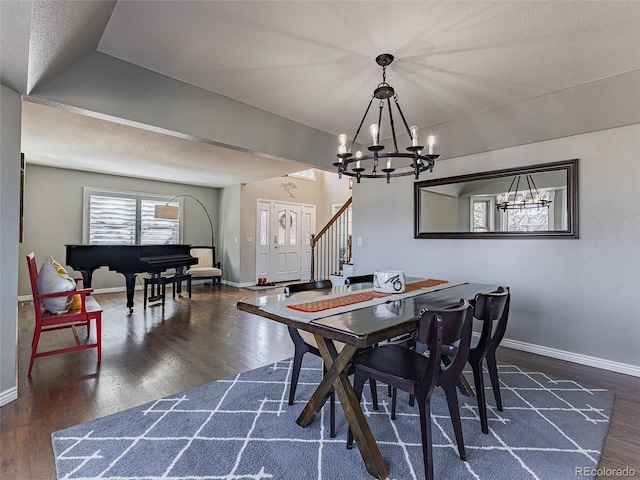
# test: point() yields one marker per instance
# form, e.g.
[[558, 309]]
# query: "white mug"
[[388, 281]]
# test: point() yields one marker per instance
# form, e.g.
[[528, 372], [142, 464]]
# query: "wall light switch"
[[249, 239], [359, 241]]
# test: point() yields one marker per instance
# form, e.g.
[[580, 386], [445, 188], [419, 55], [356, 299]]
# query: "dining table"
[[358, 317]]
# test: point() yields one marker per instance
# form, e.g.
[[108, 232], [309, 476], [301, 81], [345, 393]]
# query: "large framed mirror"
[[536, 201]]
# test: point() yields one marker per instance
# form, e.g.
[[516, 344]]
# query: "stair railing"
[[331, 246]]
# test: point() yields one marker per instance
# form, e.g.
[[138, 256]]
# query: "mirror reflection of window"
[[481, 215], [530, 220]]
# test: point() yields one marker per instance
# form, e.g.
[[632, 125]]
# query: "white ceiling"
[[313, 62]]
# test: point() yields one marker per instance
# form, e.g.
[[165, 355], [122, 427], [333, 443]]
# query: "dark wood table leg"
[[335, 364], [318, 398]]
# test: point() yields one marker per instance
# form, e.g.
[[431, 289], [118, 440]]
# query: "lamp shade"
[[169, 212]]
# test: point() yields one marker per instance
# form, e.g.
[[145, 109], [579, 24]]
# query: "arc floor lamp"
[[172, 212]]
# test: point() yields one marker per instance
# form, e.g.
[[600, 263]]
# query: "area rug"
[[242, 428]]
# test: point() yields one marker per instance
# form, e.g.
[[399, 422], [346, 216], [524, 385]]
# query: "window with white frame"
[[309, 174], [481, 214], [128, 218]]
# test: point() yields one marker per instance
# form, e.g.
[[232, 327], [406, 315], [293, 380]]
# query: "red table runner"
[[350, 299]]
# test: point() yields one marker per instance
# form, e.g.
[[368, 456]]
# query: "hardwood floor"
[[150, 354]]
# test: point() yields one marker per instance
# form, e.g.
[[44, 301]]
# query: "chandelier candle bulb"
[[342, 139], [414, 136], [374, 133], [431, 141], [389, 163], [358, 157]]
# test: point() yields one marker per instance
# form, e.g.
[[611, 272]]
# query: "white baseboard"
[[8, 396], [587, 360]]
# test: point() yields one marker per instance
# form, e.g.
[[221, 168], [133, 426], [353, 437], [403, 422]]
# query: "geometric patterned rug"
[[241, 427]]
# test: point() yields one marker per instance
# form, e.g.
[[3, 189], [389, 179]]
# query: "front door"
[[287, 244], [283, 243]]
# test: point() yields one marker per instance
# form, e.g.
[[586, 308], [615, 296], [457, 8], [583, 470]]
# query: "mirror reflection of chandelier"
[[395, 163], [518, 200]]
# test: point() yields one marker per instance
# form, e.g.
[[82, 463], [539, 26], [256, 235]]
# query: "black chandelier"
[[517, 200], [352, 165]]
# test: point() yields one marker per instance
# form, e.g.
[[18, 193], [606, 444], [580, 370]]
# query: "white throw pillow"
[[54, 278]]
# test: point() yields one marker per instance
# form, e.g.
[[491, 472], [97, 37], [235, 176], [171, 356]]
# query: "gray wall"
[[53, 215], [230, 229], [10, 115], [572, 299]]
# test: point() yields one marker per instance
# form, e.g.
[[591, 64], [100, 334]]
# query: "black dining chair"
[[493, 310], [408, 340], [457, 328], [303, 345], [306, 286], [409, 371], [359, 279]]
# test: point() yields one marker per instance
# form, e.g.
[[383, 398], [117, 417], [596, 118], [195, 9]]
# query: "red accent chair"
[[89, 310]]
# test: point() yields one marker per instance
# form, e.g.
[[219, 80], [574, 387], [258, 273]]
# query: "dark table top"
[[366, 326]]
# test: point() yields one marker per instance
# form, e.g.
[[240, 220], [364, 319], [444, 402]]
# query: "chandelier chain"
[[364, 117], [404, 120], [393, 127]]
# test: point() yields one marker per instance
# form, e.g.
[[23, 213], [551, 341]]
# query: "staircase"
[[331, 247]]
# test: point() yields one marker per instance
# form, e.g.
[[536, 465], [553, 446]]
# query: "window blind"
[[157, 231], [112, 220], [128, 218]]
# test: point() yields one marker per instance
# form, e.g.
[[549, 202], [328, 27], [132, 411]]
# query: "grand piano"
[[128, 260]]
